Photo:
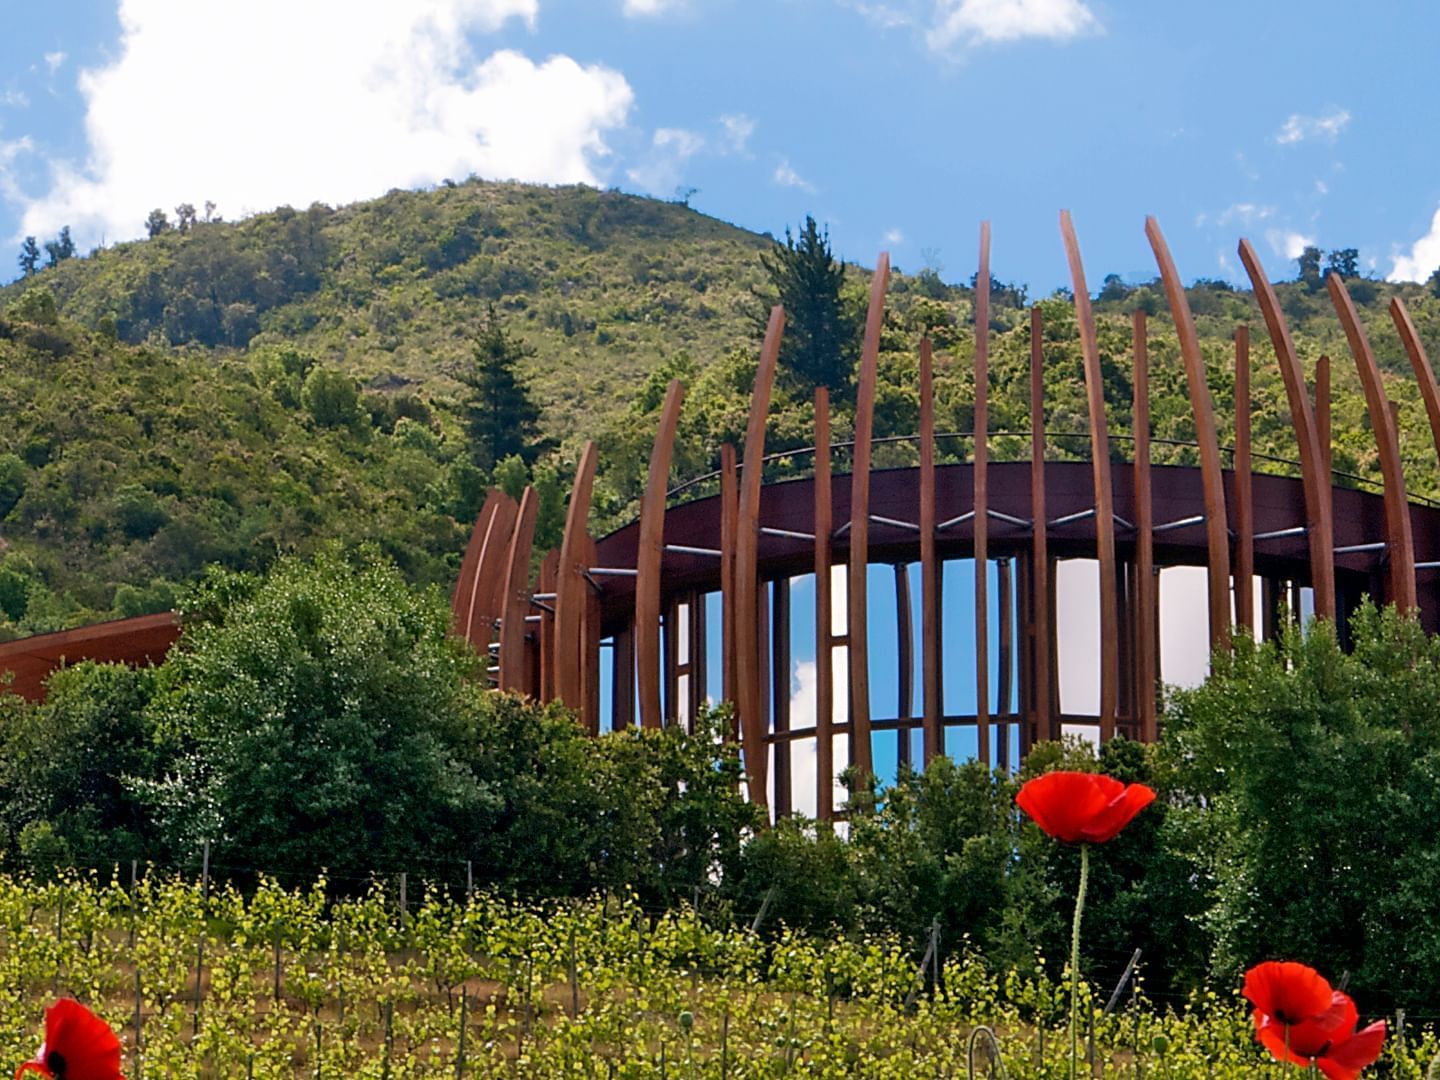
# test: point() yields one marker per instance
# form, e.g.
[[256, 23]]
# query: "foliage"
[[500, 419]]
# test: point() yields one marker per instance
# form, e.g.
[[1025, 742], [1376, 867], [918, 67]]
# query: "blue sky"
[[900, 123]]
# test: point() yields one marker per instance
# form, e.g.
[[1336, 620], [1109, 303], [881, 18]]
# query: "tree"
[[1310, 267], [331, 397], [1345, 262], [29, 256], [185, 217], [500, 418], [822, 332], [59, 249], [156, 223]]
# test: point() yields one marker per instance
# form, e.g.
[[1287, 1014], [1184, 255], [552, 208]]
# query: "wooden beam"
[[589, 652], [1244, 487], [824, 658], [622, 680], [648, 560], [1146, 607], [1003, 661], [1104, 500], [1420, 364], [465, 584], [749, 689], [516, 596], [486, 605], [780, 690], [930, 650], [1401, 544], [904, 661], [1046, 724], [1217, 527], [981, 500], [572, 587], [1320, 525], [729, 533], [861, 756], [1322, 418], [549, 575]]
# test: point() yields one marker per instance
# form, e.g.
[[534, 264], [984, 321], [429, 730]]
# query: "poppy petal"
[[1270, 1034], [1118, 813], [90, 1048], [1348, 1057], [1289, 992], [1064, 803]]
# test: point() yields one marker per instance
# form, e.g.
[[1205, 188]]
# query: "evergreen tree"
[[59, 249], [500, 418], [29, 256], [822, 332]]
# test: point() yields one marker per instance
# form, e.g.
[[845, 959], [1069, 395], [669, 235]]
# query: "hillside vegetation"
[[234, 392]]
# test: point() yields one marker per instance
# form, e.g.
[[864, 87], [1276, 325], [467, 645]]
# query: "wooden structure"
[[702, 596]]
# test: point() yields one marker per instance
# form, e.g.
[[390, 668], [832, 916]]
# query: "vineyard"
[[303, 984]]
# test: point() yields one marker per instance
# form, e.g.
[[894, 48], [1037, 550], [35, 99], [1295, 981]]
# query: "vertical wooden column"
[[622, 680], [1104, 500], [981, 504], [930, 648], [1217, 528], [1322, 418], [824, 657], [1244, 487], [648, 560], [589, 654], [549, 575], [904, 661], [572, 588], [699, 658], [1146, 613], [515, 596], [1320, 525], [749, 685], [780, 691], [1045, 723], [857, 610], [1400, 543], [1003, 662], [729, 533]]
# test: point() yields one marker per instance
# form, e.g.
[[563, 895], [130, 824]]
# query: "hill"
[[241, 390]]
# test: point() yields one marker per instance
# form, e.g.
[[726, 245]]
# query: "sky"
[[899, 124]]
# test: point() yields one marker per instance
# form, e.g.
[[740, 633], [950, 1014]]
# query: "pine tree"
[[500, 418], [59, 249], [822, 332], [29, 256]]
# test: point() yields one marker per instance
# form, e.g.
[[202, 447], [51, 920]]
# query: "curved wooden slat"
[[1420, 362], [571, 585], [1322, 417], [486, 604], [729, 532], [749, 684], [1320, 525], [1244, 487], [824, 657], [516, 596], [1217, 527], [1401, 544], [648, 558], [1044, 725], [1145, 606], [981, 499], [857, 626], [465, 584], [1104, 499], [929, 565]]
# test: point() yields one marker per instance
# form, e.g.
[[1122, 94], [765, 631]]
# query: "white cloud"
[[1327, 126], [738, 128], [1424, 257], [973, 22], [894, 237], [1321, 188], [13, 99], [374, 95], [1245, 214], [1288, 243], [786, 176], [53, 60], [642, 8]]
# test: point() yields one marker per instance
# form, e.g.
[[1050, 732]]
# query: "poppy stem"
[[1075, 960]]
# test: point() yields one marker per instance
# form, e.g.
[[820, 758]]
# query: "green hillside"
[[237, 391]]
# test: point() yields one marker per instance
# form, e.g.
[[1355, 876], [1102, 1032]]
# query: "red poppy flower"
[[1300, 1019], [1082, 808], [78, 1046]]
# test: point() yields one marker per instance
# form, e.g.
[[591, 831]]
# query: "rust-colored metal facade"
[[618, 628]]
